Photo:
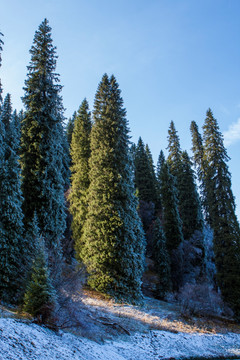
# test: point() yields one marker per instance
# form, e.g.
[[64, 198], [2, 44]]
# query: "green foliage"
[[40, 296], [201, 166], [188, 201], [221, 207], [174, 149], [145, 179], [42, 154], [70, 128], [172, 224], [161, 261], [191, 214], [113, 237], [80, 153], [12, 252]]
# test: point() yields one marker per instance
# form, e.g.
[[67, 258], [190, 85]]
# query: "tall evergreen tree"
[[191, 213], [133, 148], [161, 161], [201, 166], [70, 128], [175, 152], [161, 260], [80, 153], [153, 175], [40, 296], [11, 217], [172, 224], [42, 156], [221, 205], [180, 168], [144, 173], [113, 236]]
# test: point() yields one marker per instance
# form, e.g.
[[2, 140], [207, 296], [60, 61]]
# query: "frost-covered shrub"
[[193, 258], [201, 299]]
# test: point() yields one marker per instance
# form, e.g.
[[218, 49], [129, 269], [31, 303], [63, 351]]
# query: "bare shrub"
[[68, 312], [201, 299]]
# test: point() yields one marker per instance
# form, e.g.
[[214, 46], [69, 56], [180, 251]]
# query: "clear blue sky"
[[173, 60]]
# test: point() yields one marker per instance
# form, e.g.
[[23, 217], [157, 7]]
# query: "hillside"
[[108, 330]]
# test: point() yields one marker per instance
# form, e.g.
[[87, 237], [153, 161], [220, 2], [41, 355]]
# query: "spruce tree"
[[80, 154], [161, 161], [172, 223], [180, 168], [112, 234], [40, 296], [11, 218], [221, 205], [145, 180], [201, 166], [150, 161], [161, 261], [191, 213], [42, 157], [70, 128], [153, 176], [133, 152], [175, 152]]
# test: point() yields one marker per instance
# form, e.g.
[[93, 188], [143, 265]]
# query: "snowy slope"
[[27, 342]]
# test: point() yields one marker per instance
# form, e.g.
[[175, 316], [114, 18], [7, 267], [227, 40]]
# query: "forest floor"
[[106, 330]]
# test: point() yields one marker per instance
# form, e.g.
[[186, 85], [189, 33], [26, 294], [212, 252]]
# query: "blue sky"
[[173, 60]]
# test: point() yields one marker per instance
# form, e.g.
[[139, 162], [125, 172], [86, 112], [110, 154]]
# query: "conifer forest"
[[78, 197]]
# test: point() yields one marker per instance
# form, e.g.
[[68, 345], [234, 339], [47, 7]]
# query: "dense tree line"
[[121, 207]]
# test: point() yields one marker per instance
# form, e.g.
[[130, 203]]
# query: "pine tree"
[[161, 161], [201, 166], [80, 153], [113, 236], [144, 174], [133, 149], [172, 223], [153, 176], [191, 214], [221, 205], [1, 43], [40, 296], [70, 127], [11, 217], [161, 261], [180, 168], [66, 160], [42, 156], [175, 152]]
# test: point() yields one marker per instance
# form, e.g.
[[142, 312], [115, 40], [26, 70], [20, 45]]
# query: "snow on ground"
[[21, 341]]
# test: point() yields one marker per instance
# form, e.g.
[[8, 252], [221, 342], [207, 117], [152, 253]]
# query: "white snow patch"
[[32, 342]]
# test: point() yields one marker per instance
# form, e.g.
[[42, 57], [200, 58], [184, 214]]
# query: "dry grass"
[[154, 314], [99, 318]]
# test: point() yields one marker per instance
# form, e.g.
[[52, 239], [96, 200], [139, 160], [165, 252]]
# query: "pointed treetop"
[[6, 112], [174, 157], [214, 150], [43, 53], [161, 161]]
